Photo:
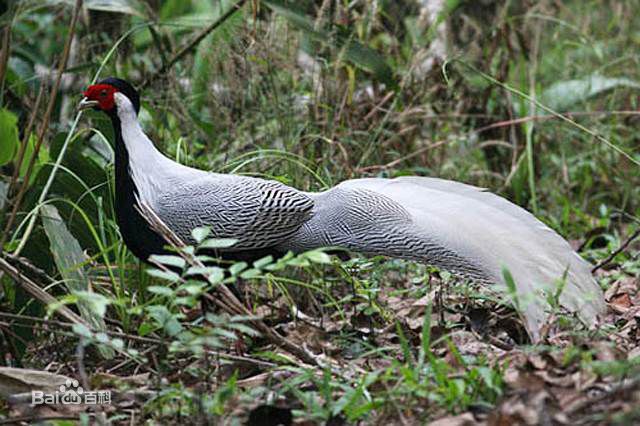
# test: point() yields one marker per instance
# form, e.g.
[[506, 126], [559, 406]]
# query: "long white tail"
[[460, 228]]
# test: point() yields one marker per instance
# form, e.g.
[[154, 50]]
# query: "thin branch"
[[406, 157], [27, 268], [620, 249], [4, 54], [132, 337], [38, 419], [25, 142], [543, 117], [189, 46], [34, 290]]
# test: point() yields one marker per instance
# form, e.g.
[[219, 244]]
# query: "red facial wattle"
[[103, 94]]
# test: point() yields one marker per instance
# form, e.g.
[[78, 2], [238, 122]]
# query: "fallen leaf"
[[21, 380], [620, 302], [465, 419]]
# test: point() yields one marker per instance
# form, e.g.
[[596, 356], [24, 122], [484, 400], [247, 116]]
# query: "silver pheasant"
[[459, 228]]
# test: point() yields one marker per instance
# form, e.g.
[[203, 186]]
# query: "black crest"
[[126, 89]]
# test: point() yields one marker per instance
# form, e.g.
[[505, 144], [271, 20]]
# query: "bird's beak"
[[86, 104]]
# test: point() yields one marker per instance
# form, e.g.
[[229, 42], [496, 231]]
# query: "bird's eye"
[[103, 93]]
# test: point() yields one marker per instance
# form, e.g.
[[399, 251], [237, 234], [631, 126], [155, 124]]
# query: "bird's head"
[[101, 96]]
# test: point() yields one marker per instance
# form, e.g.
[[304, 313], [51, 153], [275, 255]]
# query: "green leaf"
[[41, 160], [213, 273], [250, 273], [117, 343], [169, 260], [261, 263], [165, 319], [145, 328], [160, 290], [82, 330], [193, 288], [97, 302], [564, 95], [186, 301], [512, 289], [218, 243], [369, 60], [236, 268], [317, 256], [172, 8], [8, 136], [244, 329], [101, 337], [164, 275], [200, 233]]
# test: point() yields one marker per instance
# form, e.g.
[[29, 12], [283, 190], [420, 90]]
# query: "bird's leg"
[[440, 302]]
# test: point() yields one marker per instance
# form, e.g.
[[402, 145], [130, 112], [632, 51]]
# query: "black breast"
[[136, 232]]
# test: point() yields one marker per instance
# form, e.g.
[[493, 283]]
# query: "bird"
[[463, 229]]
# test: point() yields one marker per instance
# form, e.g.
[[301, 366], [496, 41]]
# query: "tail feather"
[[461, 228]]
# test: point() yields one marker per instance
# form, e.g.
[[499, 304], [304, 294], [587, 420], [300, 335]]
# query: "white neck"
[[140, 148], [149, 169]]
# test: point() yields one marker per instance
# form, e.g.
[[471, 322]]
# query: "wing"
[[258, 213]]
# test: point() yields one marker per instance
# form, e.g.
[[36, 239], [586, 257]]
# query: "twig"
[[542, 117], [406, 157], [378, 106], [228, 301], [69, 325], [4, 54], [132, 337], [27, 268], [191, 44], [25, 142], [620, 249], [34, 290], [45, 123], [36, 419]]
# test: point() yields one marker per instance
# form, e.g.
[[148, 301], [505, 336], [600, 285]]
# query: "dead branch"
[[38, 293], [619, 250]]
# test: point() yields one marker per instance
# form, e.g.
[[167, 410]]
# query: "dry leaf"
[[465, 419], [620, 302], [21, 380]]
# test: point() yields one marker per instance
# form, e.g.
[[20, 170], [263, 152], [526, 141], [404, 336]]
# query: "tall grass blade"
[[69, 257]]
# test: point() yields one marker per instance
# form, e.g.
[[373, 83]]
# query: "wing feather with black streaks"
[[256, 212]]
